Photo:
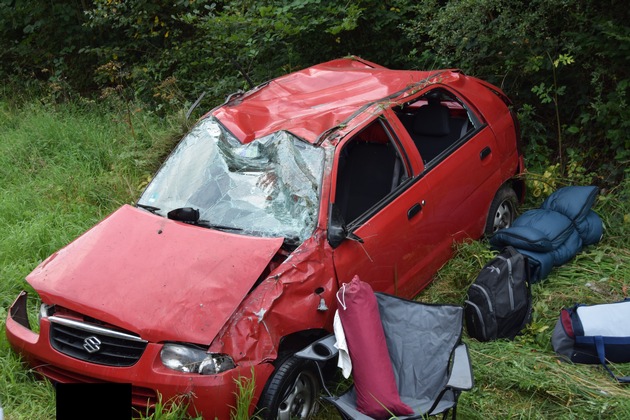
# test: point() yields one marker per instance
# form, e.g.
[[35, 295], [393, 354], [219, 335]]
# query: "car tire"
[[502, 210], [291, 392]]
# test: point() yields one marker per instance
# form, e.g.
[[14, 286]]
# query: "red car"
[[230, 261]]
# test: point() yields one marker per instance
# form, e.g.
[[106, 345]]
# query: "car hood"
[[162, 279]]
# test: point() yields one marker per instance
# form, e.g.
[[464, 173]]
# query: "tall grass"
[[245, 389], [62, 169], [169, 410]]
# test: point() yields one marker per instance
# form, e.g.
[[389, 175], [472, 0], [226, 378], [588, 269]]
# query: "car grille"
[[95, 344]]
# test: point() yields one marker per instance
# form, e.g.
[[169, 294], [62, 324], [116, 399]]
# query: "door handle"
[[415, 209], [485, 152]]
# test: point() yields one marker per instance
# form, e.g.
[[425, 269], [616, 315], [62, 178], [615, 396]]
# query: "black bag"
[[594, 334], [499, 302]]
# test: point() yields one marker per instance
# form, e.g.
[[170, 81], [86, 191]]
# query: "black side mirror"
[[337, 231]]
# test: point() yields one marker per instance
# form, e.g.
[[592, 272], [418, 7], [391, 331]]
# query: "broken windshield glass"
[[268, 187]]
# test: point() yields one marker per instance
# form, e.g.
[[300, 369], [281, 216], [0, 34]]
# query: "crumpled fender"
[[287, 301]]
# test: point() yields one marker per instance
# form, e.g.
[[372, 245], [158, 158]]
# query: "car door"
[[462, 165], [381, 205]]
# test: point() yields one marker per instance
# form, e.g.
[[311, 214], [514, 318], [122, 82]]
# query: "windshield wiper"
[[191, 215], [184, 214], [147, 207], [206, 223]]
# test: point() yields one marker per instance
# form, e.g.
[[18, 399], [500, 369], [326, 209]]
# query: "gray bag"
[[499, 303], [594, 334]]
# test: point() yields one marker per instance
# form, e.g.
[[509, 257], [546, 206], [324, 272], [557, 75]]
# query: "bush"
[[562, 62]]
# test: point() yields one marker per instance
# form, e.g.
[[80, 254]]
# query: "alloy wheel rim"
[[503, 217], [299, 402]]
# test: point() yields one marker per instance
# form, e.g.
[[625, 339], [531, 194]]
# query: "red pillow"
[[374, 381]]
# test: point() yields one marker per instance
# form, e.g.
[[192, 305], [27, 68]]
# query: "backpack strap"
[[601, 353], [530, 303], [530, 309]]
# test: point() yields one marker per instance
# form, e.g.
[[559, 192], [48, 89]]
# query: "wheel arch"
[[294, 342], [517, 183]]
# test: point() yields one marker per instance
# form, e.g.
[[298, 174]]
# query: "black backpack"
[[499, 302]]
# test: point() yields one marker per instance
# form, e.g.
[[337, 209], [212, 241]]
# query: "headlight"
[[191, 359]]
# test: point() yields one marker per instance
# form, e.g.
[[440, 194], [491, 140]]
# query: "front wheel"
[[291, 392], [502, 211]]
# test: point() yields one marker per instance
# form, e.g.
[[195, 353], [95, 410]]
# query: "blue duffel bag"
[[554, 233]]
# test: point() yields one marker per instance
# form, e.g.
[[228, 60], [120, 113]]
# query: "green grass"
[[245, 388], [63, 168], [170, 410]]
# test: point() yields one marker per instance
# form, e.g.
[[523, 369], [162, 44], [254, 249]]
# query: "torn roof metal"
[[311, 102]]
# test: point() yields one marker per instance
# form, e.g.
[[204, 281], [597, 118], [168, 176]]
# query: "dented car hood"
[[162, 279]]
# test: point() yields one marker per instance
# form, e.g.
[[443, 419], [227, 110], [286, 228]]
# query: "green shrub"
[[563, 62]]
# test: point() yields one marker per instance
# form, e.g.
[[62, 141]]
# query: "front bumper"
[[213, 396]]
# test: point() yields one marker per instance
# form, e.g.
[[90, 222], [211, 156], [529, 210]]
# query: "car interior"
[[435, 123], [370, 167]]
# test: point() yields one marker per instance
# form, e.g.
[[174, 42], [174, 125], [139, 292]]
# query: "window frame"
[[406, 178], [474, 119]]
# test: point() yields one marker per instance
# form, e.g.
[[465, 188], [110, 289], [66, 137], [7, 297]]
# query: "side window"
[[370, 167], [436, 122]]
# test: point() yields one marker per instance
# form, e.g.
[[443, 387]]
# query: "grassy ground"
[[62, 169], [523, 378]]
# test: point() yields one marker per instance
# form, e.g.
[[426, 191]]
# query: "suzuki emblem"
[[92, 344]]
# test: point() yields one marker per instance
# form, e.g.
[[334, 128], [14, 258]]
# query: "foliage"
[[542, 185], [563, 62], [244, 42], [43, 39]]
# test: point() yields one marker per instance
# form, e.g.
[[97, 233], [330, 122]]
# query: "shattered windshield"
[[269, 187]]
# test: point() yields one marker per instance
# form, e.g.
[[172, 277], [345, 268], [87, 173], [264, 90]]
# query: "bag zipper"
[[510, 283], [482, 324], [510, 280], [485, 293]]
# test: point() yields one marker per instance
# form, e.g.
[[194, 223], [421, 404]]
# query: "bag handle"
[[342, 299], [601, 353]]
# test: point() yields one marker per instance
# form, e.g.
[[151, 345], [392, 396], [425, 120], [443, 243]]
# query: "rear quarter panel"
[[493, 105]]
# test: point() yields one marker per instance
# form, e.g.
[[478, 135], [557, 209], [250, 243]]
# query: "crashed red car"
[[230, 261]]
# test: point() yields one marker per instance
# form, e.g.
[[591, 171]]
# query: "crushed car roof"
[[311, 102]]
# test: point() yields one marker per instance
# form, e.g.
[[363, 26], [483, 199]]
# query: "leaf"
[[573, 129]]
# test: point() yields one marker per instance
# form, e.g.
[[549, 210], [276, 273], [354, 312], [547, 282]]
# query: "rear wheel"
[[291, 392], [502, 210]]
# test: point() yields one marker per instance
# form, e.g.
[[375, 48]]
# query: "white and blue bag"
[[595, 334]]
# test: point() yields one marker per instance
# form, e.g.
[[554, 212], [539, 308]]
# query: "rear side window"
[[437, 122]]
